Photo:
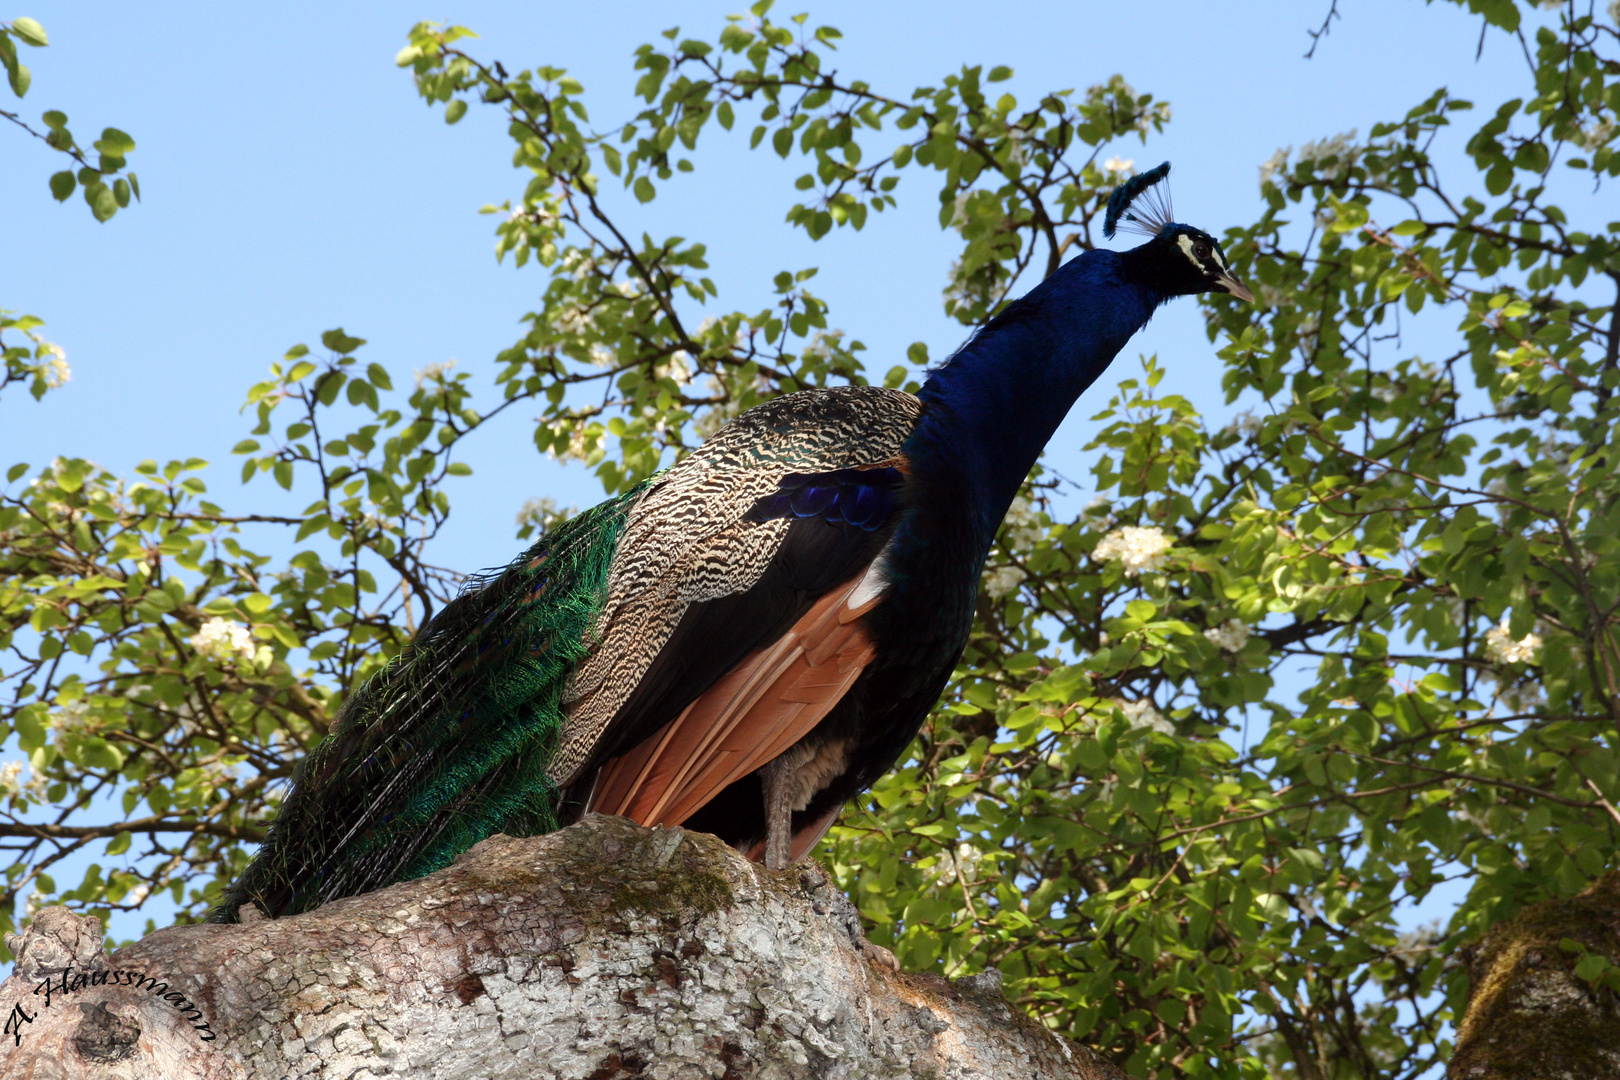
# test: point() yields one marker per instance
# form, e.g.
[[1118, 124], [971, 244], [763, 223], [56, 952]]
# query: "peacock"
[[741, 643]]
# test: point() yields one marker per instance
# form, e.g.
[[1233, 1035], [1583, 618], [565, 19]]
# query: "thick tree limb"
[[1530, 1016], [605, 951]]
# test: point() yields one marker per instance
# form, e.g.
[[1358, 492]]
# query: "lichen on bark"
[[605, 951], [1530, 1015]]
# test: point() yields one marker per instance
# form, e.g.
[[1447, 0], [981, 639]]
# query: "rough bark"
[[603, 952], [1530, 1015]]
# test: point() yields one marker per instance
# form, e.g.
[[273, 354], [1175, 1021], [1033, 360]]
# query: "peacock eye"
[[1201, 250]]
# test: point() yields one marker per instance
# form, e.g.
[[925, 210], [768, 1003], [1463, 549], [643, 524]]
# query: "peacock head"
[[1177, 260]]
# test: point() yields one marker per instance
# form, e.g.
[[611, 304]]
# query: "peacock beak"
[[1232, 285]]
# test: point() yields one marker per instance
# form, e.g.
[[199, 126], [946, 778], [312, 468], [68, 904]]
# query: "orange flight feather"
[[760, 708]]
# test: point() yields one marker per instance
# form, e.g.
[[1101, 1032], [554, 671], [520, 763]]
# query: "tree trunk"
[[1531, 1015], [602, 952]]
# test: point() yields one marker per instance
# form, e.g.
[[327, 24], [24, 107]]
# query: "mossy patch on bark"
[[1530, 1017]]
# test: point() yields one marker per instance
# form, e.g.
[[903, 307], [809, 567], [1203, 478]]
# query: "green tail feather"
[[448, 744]]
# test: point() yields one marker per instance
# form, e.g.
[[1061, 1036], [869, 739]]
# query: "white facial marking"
[[1186, 244]]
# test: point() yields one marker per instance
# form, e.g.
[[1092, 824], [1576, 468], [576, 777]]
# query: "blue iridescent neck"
[[989, 410]]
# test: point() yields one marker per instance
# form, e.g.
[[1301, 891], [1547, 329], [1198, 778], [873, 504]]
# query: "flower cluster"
[[1595, 136], [221, 639], [1244, 424], [1275, 164], [10, 782], [1230, 636], [1339, 149], [55, 371], [1001, 580], [541, 515], [1142, 714], [1137, 548], [72, 718], [946, 868], [1023, 525], [434, 373], [1500, 648]]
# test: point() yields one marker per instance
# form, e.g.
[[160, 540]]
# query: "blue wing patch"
[[864, 498]]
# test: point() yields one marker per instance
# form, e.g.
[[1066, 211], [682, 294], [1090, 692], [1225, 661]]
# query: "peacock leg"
[[779, 788]]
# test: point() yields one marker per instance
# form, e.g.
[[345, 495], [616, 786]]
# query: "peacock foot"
[[878, 955]]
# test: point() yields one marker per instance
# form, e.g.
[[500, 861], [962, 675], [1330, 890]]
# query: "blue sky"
[[293, 182]]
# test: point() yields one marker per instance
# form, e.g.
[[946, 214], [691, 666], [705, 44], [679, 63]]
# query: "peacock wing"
[[727, 553]]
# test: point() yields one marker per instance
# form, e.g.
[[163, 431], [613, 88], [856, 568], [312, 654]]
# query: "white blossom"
[[542, 514], [1614, 10], [1414, 947], [1500, 648], [1340, 148], [38, 787], [56, 370], [1230, 636], [1117, 165], [1521, 697], [679, 367], [1595, 136], [1022, 524], [1017, 151], [967, 859], [1001, 580], [943, 872], [822, 344], [138, 893], [32, 906], [1244, 423], [1142, 714], [1310, 328], [1137, 548], [1271, 296], [10, 784], [604, 356], [72, 718], [1275, 164], [433, 372], [221, 639], [575, 321], [1098, 513]]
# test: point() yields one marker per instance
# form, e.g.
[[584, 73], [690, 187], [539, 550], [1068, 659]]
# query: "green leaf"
[[62, 185], [30, 32], [103, 204], [454, 111], [115, 143], [339, 342]]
